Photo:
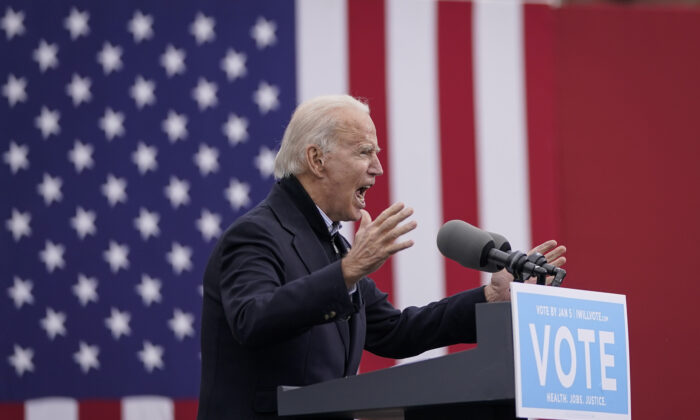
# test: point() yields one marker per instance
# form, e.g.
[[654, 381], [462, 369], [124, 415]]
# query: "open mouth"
[[360, 194]]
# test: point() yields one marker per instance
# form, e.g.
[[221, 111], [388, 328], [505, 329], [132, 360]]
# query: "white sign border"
[[549, 413]]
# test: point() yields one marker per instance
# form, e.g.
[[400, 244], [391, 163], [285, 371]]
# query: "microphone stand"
[[523, 266]]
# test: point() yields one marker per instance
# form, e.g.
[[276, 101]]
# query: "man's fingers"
[[543, 248], [400, 246], [365, 219], [388, 212], [402, 230], [391, 222], [555, 253], [559, 262]]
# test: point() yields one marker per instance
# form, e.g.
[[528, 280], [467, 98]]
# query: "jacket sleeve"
[[398, 334], [261, 304]]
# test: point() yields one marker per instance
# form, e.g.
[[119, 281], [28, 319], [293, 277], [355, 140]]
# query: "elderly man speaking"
[[288, 302]]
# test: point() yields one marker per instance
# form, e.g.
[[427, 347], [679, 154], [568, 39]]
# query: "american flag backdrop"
[[133, 133]]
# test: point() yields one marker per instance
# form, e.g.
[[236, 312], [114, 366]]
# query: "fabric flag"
[[132, 134]]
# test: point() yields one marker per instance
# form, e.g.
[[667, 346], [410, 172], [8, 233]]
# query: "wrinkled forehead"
[[355, 125]]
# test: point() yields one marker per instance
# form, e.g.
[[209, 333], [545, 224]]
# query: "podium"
[[476, 383]]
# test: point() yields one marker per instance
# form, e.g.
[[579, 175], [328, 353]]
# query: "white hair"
[[314, 122]]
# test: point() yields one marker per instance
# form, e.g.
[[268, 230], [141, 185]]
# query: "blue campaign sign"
[[571, 353]]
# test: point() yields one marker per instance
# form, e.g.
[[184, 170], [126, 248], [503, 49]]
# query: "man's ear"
[[314, 160]]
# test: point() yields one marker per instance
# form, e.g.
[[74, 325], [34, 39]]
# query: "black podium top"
[[483, 375]]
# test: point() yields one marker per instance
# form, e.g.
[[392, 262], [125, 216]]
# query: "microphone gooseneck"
[[491, 252]]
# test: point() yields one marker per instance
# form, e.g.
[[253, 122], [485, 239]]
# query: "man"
[[286, 302]]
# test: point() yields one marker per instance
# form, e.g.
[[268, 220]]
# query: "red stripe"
[[539, 85], [185, 409], [628, 95], [457, 135], [12, 411], [367, 74], [100, 409]]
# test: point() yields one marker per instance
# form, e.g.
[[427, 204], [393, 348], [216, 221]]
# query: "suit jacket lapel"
[[306, 244]]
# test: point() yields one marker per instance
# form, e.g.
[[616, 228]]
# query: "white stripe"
[[51, 408], [501, 136], [414, 151], [147, 408], [322, 59], [322, 55]]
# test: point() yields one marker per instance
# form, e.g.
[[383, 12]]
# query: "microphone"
[[468, 245], [501, 243], [484, 251]]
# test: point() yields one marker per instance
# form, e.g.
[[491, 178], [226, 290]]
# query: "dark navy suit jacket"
[[277, 312]]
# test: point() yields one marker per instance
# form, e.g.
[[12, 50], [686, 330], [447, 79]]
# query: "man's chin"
[[355, 216]]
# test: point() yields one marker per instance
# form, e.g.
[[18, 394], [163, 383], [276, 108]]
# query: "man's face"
[[350, 167]]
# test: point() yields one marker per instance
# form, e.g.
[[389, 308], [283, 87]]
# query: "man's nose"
[[375, 168]]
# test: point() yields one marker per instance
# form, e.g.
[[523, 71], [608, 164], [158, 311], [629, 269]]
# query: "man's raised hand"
[[375, 241]]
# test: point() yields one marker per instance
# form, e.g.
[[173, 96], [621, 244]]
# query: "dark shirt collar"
[[306, 205]]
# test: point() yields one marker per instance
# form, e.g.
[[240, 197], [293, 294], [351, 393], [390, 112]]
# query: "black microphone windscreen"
[[464, 243], [502, 244], [500, 241]]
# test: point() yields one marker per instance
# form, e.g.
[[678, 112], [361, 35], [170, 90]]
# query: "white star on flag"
[[54, 323], [179, 258], [173, 60], [177, 192], [186, 82], [145, 158], [112, 123], [117, 256], [233, 64], [50, 189], [149, 289], [86, 357], [205, 94], [118, 323], [114, 189], [18, 224], [147, 223], [47, 122], [175, 126], [21, 360], [143, 92], [79, 89], [203, 29], [265, 162], [141, 26], [264, 32], [12, 23], [207, 159], [52, 256], [77, 23], [110, 57], [21, 292], [85, 289], [266, 97], [15, 90], [237, 194], [209, 224], [45, 55], [81, 156], [16, 157], [235, 129], [83, 222], [151, 356], [181, 324]]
